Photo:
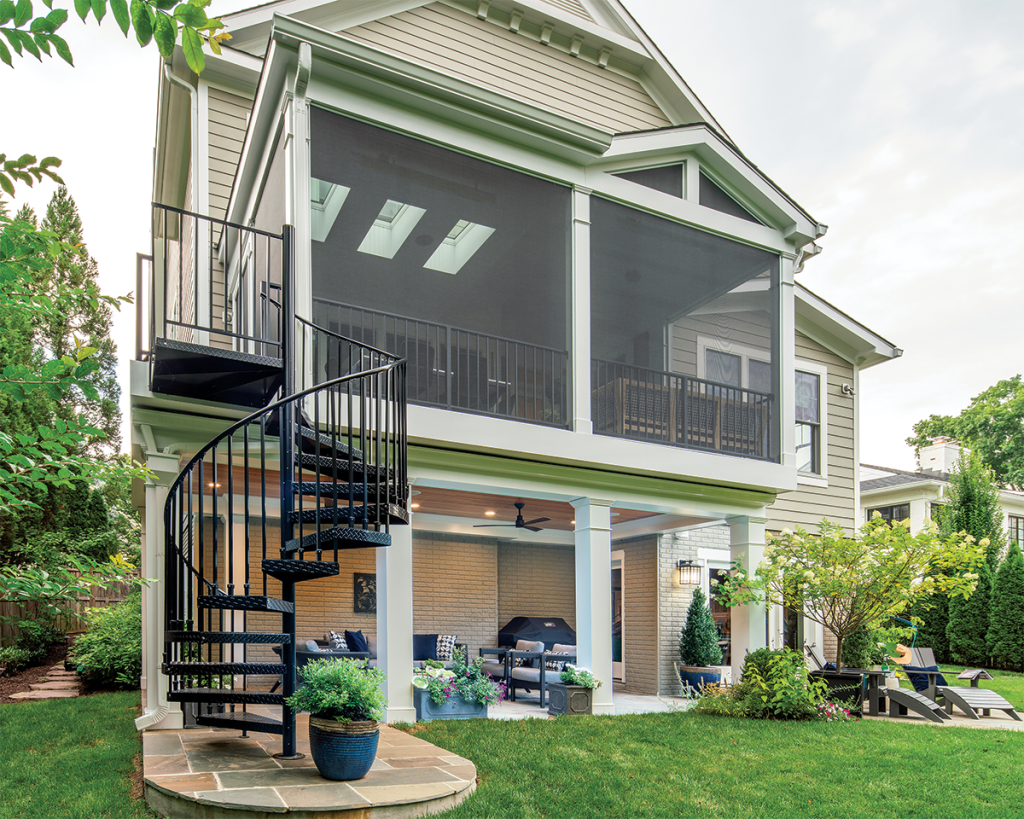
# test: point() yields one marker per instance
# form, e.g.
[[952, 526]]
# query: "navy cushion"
[[356, 641], [920, 681], [424, 646]]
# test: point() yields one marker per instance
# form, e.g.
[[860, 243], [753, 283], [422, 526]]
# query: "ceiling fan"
[[520, 523]]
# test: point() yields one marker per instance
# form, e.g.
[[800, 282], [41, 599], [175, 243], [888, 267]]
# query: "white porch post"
[[394, 623], [158, 714], [594, 595], [748, 622], [579, 308]]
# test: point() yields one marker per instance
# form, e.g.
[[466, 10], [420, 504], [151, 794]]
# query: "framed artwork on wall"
[[365, 593]]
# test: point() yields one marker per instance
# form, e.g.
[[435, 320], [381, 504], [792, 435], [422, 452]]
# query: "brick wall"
[[536, 581]]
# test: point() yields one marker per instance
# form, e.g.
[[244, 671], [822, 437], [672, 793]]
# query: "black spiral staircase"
[[270, 501]]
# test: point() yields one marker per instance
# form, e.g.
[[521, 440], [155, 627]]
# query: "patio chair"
[[526, 669], [498, 667], [920, 666]]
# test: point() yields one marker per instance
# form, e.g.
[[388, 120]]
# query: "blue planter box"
[[455, 708]]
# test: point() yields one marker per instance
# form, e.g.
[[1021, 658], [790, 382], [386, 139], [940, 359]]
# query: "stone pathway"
[[57, 684]]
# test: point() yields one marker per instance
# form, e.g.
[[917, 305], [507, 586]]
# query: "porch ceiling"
[[454, 503]]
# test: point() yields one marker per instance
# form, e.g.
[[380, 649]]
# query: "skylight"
[[458, 247], [390, 229], [325, 201]]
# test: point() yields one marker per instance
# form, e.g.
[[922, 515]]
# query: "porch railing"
[[669, 408], [452, 368], [208, 285]]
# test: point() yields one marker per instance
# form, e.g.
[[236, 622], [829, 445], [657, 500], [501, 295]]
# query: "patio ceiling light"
[[689, 573]]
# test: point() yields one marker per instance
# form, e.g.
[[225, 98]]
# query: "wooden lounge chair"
[[928, 680]]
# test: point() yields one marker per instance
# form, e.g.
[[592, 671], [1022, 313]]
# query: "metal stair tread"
[[201, 669], [369, 473], [310, 435], [299, 570], [321, 514], [238, 602], [259, 637], [242, 721], [357, 538], [224, 695]]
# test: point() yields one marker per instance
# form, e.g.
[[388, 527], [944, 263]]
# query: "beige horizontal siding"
[[809, 504], [227, 116], [471, 49]]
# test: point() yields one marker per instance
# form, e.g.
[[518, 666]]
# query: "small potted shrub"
[[464, 692], [574, 694], [345, 702], [698, 646]]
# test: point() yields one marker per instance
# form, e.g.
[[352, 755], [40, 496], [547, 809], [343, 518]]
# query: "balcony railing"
[[193, 258], [452, 368], [668, 408]]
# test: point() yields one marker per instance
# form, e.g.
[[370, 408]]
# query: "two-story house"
[[592, 291]]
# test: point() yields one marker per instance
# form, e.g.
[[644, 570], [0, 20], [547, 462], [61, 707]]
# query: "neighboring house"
[[594, 292], [898, 495]]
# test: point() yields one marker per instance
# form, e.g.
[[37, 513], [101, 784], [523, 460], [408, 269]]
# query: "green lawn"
[[70, 758], [685, 765]]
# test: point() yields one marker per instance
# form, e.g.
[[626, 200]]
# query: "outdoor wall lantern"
[[689, 573]]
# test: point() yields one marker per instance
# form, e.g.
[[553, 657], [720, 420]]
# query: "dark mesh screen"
[[457, 264], [712, 196], [684, 329]]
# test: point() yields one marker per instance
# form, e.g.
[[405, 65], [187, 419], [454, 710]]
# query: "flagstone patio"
[[214, 773]]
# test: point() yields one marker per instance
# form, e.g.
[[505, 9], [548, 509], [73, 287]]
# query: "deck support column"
[[394, 623], [749, 623], [594, 595], [158, 713]]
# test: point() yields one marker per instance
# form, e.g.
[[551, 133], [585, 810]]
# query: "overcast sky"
[[898, 123]]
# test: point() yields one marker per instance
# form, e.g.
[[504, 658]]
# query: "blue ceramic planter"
[[699, 676], [343, 751], [454, 708]]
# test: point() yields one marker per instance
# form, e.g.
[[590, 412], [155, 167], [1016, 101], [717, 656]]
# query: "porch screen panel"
[[458, 264], [684, 334]]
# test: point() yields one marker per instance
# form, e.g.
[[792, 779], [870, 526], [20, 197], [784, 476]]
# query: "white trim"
[[743, 351], [820, 370]]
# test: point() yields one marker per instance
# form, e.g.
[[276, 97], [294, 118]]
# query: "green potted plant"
[[464, 692], [698, 646], [574, 694], [345, 702]]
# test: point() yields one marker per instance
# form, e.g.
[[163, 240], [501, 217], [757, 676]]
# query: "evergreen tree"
[[1006, 625], [972, 505], [698, 642], [931, 614], [969, 622], [91, 325]]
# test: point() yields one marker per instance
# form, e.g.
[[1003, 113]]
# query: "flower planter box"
[[569, 699], [455, 708], [844, 689]]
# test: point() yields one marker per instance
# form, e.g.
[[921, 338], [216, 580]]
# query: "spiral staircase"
[[270, 501]]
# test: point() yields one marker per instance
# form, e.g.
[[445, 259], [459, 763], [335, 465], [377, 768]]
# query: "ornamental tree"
[[1006, 629], [968, 624], [698, 641], [845, 583]]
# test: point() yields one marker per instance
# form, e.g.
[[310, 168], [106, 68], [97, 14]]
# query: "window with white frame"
[[810, 412], [734, 365], [1016, 527]]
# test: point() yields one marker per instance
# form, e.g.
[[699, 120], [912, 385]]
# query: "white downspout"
[[193, 96]]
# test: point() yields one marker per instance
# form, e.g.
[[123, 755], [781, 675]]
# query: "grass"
[[686, 765], [70, 758]]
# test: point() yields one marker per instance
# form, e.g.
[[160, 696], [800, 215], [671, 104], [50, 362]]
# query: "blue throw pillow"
[[424, 646], [920, 681], [356, 641]]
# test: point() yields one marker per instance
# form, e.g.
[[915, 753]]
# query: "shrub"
[[859, 649], [574, 675], [110, 652], [775, 685], [719, 702], [1006, 629], [13, 659], [36, 639], [468, 680], [698, 642], [342, 689], [969, 623]]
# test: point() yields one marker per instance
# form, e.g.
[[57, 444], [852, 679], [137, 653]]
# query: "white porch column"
[[394, 623], [748, 622], [579, 309], [158, 713], [594, 595]]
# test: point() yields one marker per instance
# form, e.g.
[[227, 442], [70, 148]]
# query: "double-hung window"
[[808, 422], [1016, 526]]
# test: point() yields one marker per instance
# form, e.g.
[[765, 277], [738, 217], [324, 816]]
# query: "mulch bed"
[[23, 679]]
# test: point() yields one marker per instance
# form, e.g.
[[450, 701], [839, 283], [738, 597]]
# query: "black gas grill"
[[549, 630]]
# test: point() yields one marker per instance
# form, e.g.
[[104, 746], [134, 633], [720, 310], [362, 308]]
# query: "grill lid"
[[550, 630]]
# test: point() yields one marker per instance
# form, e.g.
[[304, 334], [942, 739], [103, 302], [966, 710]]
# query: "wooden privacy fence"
[[98, 597]]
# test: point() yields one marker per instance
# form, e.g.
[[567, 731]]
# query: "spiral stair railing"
[[258, 510]]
